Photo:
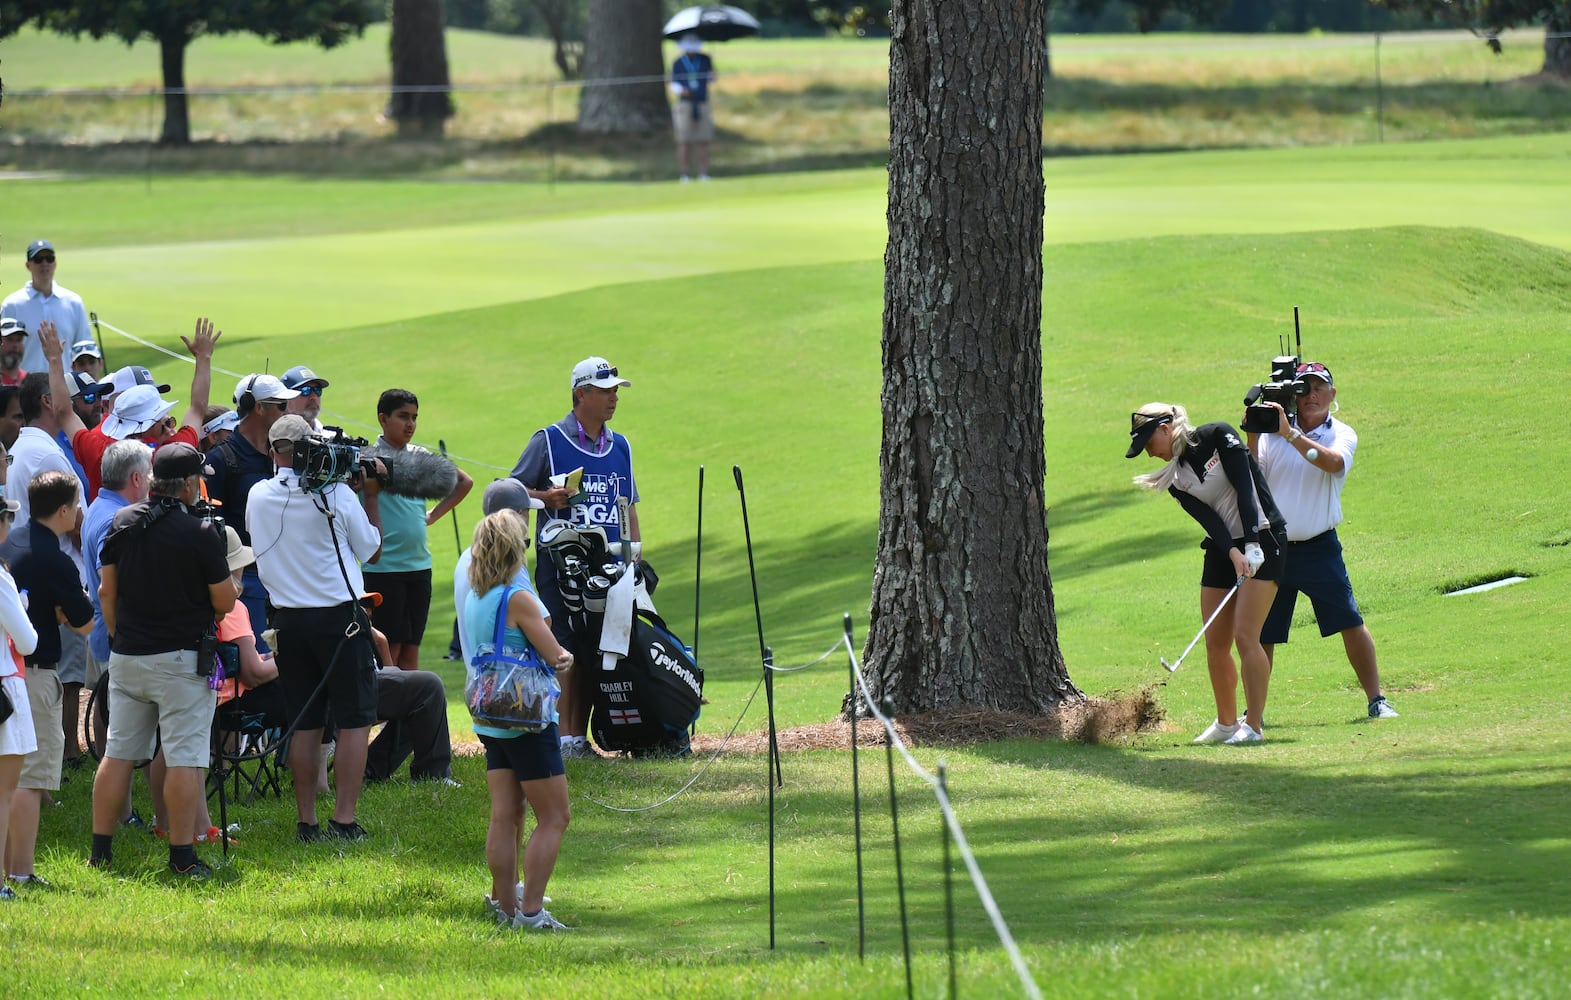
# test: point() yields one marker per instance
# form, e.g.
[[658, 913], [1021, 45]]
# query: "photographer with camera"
[[1212, 475], [1306, 458], [163, 584], [310, 534]]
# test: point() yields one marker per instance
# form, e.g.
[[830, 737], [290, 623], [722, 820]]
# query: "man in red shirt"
[[138, 413]]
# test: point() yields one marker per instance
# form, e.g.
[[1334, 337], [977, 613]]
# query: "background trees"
[[174, 24]]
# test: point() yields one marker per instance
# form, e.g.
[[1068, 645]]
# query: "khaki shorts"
[[160, 696], [690, 129], [41, 768]]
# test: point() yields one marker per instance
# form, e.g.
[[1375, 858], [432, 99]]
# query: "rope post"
[[698, 565], [900, 877], [771, 775], [856, 804], [949, 889]]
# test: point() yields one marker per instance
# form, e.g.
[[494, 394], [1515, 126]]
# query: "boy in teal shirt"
[[402, 574]]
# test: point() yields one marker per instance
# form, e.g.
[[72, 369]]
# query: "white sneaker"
[[1216, 733], [542, 921], [1244, 735], [1381, 709]]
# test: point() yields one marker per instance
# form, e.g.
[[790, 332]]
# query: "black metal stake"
[[949, 889], [900, 875], [856, 804], [771, 775], [98, 335], [698, 559]]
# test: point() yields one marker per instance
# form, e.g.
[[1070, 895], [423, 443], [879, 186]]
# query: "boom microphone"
[[411, 473]]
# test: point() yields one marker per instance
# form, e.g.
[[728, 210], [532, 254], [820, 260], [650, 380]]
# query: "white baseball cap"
[[263, 389], [137, 409], [597, 372]]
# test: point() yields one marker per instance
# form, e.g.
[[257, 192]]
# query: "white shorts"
[[17, 738]]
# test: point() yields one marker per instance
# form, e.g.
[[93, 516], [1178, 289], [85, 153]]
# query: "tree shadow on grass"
[[1464, 839]]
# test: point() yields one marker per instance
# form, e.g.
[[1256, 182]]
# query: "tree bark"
[[962, 609], [177, 112], [419, 52], [622, 40], [1557, 51]]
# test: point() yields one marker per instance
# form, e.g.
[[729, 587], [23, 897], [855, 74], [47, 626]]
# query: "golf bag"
[[647, 691]]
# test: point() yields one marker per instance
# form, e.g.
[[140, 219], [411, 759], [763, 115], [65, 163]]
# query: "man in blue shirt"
[[41, 299], [581, 440], [691, 75]]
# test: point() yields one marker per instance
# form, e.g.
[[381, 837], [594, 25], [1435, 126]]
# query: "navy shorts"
[[531, 756], [1315, 567], [406, 604], [1217, 570]]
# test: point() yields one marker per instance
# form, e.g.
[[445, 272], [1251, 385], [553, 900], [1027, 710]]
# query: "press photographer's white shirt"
[[1310, 500], [295, 546]]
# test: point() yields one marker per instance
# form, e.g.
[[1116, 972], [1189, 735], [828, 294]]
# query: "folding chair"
[[247, 744]]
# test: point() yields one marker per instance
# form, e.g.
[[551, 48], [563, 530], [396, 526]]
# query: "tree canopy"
[[174, 24]]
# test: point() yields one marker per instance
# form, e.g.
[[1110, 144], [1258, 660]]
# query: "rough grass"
[[782, 105]]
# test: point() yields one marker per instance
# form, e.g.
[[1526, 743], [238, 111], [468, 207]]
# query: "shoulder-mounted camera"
[[1284, 389], [330, 456]]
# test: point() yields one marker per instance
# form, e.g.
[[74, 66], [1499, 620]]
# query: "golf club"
[[1171, 667]]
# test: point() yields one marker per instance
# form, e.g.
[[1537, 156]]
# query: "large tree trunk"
[[962, 610], [419, 60], [177, 114], [622, 40], [1557, 51]]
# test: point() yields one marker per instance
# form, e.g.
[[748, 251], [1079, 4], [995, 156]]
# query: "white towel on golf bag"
[[616, 630]]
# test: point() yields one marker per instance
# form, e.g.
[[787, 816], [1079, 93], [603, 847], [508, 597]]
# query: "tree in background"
[[1491, 17], [419, 51], [175, 24], [622, 41], [962, 605]]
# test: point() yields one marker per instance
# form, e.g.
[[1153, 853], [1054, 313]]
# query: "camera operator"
[[310, 538], [163, 583], [1306, 462]]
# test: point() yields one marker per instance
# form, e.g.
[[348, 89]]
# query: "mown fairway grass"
[[1423, 857]]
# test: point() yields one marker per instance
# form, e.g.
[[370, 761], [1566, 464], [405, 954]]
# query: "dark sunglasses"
[[44, 258], [89, 397], [311, 390], [606, 371]]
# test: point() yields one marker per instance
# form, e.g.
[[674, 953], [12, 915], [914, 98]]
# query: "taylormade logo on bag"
[[660, 658]]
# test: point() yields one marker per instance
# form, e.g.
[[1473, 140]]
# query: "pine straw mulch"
[[1093, 720]]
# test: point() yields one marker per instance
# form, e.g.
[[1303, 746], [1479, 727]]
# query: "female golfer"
[[1212, 475], [520, 767], [17, 639]]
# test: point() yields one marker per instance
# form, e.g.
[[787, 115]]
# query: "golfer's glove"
[[1254, 557]]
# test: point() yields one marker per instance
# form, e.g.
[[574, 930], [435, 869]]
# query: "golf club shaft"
[[1225, 598], [458, 545]]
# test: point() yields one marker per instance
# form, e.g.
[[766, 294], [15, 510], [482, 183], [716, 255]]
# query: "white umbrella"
[[712, 22]]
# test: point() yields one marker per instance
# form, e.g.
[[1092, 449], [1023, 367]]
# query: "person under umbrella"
[[691, 118]]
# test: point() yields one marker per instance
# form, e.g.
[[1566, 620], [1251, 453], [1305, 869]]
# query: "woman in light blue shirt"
[[521, 767]]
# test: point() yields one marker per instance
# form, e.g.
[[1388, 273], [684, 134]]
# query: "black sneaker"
[[309, 833], [346, 831], [135, 822], [195, 870]]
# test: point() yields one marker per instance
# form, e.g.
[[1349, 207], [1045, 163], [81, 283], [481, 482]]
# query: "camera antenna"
[[1298, 340]]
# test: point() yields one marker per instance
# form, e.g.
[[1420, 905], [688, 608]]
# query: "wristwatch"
[[1295, 435]]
